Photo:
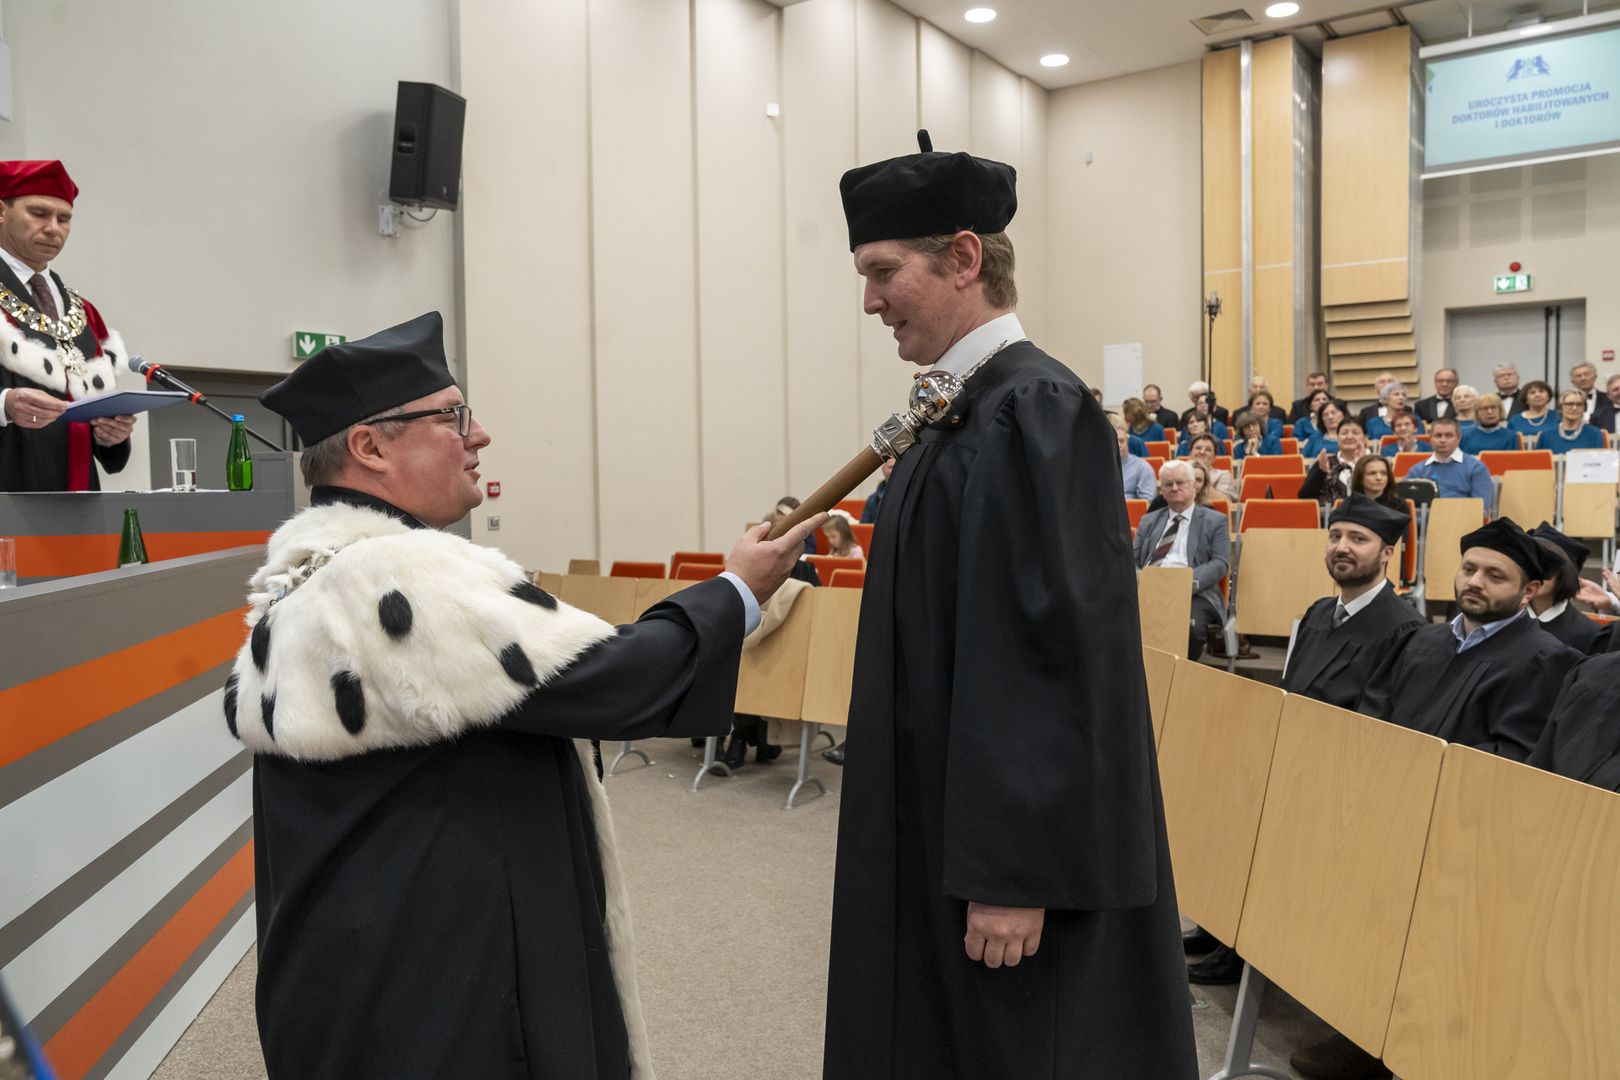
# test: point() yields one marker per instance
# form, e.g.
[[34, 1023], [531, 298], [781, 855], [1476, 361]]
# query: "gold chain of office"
[[65, 330]]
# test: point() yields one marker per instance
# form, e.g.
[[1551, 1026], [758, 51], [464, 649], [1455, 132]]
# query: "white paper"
[[1122, 372], [1592, 467]]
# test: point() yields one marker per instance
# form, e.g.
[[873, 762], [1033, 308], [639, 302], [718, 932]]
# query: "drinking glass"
[[8, 563], [183, 462]]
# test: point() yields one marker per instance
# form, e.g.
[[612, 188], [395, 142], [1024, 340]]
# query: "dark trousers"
[[1204, 614]]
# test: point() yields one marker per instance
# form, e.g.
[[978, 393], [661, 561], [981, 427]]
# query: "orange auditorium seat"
[[1223, 463], [1135, 508], [1156, 462], [1264, 486], [1222, 507], [822, 546], [848, 579], [1288, 431], [826, 564], [863, 537], [698, 571], [681, 558], [1280, 514], [1406, 459], [637, 569], [1273, 465], [1388, 440], [1506, 461], [852, 507], [1290, 445], [1159, 449]]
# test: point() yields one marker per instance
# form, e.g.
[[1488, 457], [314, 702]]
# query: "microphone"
[[155, 373], [1214, 304]]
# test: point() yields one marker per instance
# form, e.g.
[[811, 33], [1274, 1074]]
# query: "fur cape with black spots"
[[36, 357], [367, 634]]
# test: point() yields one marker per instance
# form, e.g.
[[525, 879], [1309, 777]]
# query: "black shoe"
[[766, 752], [835, 755], [736, 749], [697, 744], [1337, 1059], [1199, 942], [1222, 967]]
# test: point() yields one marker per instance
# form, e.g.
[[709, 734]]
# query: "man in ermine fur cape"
[[437, 890]]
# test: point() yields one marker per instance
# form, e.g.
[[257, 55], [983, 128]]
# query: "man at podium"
[[54, 346]]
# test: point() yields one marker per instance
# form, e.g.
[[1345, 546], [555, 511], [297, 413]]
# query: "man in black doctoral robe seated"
[[1488, 678], [1342, 639], [1553, 603], [1582, 736]]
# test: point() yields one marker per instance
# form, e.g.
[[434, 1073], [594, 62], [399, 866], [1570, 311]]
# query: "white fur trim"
[[620, 933], [31, 360], [443, 676]]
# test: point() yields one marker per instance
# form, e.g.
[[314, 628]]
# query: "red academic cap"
[[36, 178]]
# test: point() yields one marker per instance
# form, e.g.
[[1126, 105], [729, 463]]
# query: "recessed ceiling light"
[[1282, 11], [980, 14], [1056, 59]]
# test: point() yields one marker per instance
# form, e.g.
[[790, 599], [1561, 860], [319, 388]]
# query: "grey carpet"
[[732, 898]]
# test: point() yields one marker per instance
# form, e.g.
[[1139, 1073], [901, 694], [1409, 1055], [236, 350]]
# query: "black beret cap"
[[345, 384], [1505, 536], [1388, 523], [927, 194], [1577, 552]]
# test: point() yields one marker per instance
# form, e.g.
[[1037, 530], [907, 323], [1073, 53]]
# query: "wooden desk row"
[[1454, 912]]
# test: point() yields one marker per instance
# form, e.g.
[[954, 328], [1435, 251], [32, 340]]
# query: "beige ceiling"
[[1105, 38]]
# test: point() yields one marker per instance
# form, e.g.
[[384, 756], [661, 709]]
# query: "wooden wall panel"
[[1223, 221], [1275, 296]]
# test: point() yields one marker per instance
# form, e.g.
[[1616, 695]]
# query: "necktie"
[[1166, 542], [1340, 613], [42, 295]]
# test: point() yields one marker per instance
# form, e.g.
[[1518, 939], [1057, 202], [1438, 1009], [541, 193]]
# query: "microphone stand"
[[155, 371]]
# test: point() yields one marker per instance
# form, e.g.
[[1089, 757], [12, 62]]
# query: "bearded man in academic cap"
[[54, 346], [1003, 905], [437, 891]]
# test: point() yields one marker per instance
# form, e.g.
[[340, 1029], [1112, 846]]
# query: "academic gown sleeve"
[[671, 673], [1582, 736], [1513, 713], [1050, 793]]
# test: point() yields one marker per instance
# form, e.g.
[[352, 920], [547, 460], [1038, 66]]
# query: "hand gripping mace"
[[931, 395]]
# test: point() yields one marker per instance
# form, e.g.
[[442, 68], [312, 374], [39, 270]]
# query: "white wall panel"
[[1029, 230], [945, 78], [825, 426], [526, 232], [998, 112], [645, 277]]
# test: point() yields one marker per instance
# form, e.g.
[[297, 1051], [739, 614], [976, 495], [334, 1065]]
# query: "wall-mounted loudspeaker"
[[427, 146]]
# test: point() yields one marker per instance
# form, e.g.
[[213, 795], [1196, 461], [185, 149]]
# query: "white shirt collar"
[[1457, 457], [1553, 612], [977, 344], [1360, 603], [24, 272]]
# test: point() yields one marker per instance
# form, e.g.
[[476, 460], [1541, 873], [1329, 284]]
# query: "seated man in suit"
[[1488, 678], [1551, 604], [1186, 534], [1438, 404]]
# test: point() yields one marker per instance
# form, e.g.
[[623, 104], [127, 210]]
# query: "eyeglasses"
[[463, 417]]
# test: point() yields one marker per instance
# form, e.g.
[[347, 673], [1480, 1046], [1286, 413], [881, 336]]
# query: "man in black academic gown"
[[1582, 737], [1003, 904], [1552, 604], [1488, 678], [437, 891]]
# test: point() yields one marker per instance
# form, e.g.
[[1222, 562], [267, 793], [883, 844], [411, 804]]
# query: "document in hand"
[[120, 403]]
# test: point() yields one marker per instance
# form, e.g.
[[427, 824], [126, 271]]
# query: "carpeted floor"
[[732, 900]]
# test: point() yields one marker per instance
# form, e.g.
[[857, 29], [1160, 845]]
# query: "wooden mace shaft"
[[827, 496]]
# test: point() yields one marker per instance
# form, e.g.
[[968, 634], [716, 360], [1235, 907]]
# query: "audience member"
[[1463, 400], [1582, 739], [1572, 432], [1564, 557], [1606, 412], [1257, 383], [1584, 376], [1374, 477], [874, 501], [1305, 426], [1534, 414], [1205, 450], [1324, 435], [1306, 407], [1195, 426], [1264, 406], [1206, 482], [1140, 421], [1153, 398], [1253, 438], [1137, 473], [1489, 677], [1405, 429], [803, 571], [1394, 403], [1197, 393], [1456, 475], [1440, 402], [841, 538], [1186, 534], [1490, 430], [1380, 381], [1328, 479], [1506, 377]]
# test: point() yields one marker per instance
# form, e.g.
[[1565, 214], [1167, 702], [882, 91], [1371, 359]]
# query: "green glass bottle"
[[238, 462], [132, 546]]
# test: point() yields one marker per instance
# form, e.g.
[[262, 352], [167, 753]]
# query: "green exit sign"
[[1512, 283], [306, 343]]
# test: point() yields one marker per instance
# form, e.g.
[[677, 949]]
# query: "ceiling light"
[[980, 14], [1282, 11], [1056, 59]]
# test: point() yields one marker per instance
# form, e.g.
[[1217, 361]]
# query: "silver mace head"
[[931, 395]]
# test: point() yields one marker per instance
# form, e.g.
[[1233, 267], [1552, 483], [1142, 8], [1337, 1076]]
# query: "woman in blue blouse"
[[1195, 426], [1264, 408], [1324, 431], [1394, 402], [1140, 422], [1305, 426], [1405, 425], [1488, 431], [1253, 438], [1572, 432], [1537, 415]]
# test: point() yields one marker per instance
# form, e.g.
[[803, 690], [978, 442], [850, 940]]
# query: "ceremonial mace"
[[931, 395]]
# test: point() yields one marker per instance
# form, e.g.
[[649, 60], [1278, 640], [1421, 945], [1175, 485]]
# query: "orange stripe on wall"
[[69, 556], [48, 708], [86, 1037]]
